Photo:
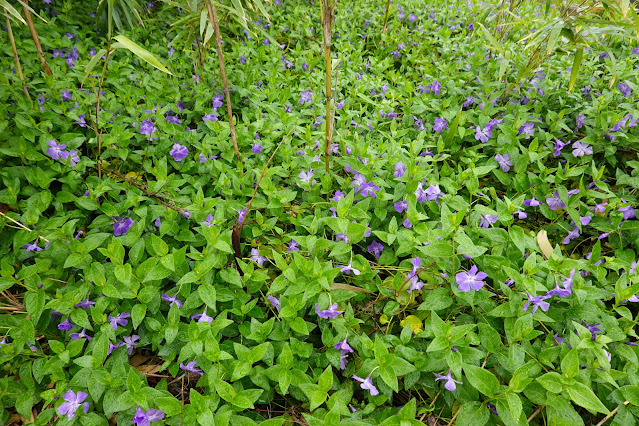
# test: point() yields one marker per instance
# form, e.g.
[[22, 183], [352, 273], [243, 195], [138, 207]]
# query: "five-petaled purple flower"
[[179, 152], [537, 302], [450, 382], [142, 418], [191, 367], [580, 149], [65, 325], [471, 279], [255, 255], [486, 220], [440, 124], [305, 97], [555, 202], [72, 402], [375, 248], [203, 317], [172, 300], [33, 246], [131, 343], [55, 150], [628, 212], [121, 225], [347, 269], [504, 162], [527, 129], [147, 127], [401, 206], [275, 302], [119, 319], [367, 383], [344, 349], [483, 134], [81, 335], [400, 170], [331, 312], [624, 89]]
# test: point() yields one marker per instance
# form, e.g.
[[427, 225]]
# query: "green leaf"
[[583, 396], [631, 393], [326, 379], [473, 414], [389, 377], [570, 363], [551, 381], [145, 55], [482, 380], [488, 337], [208, 295], [576, 65]]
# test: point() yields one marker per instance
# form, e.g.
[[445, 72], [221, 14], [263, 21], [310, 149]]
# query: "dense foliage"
[[470, 255]]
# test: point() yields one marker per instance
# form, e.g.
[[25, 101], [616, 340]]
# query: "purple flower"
[[504, 162], [559, 291], [131, 343], [70, 156], [191, 367], [338, 194], [368, 189], [585, 220], [440, 124], [628, 212], [331, 312], [119, 319], [538, 302], [581, 149], [113, 347], [344, 346], [593, 329], [624, 89], [581, 120], [520, 214], [241, 215], [84, 304], [401, 206], [80, 335], [493, 123], [435, 87], [210, 117], [121, 225], [65, 325], [72, 402], [433, 193], [567, 283], [172, 299], [347, 269], [209, 221], [255, 255], [419, 123], [469, 101], [66, 96], [179, 152], [367, 383], [275, 302], [486, 220], [306, 177], [483, 134], [173, 119], [527, 129], [293, 246], [375, 248], [33, 246], [555, 202], [158, 222], [203, 317], [532, 202], [147, 127], [450, 382], [471, 279], [257, 148], [144, 419], [400, 170], [305, 97], [54, 149], [571, 235]]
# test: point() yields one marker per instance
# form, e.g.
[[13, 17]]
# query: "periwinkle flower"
[[433, 193], [473, 279], [401, 206], [55, 150], [81, 335], [293, 246], [255, 256], [147, 127], [275, 302], [73, 401], [257, 148], [532, 202], [65, 325], [367, 384], [347, 269], [191, 368], [483, 134], [331, 312], [203, 317], [527, 129], [173, 300], [119, 319], [571, 235], [32, 247], [305, 96], [580, 149], [142, 418], [537, 302], [486, 220], [504, 162], [555, 202], [131, 343], [375, 248], [66, 95], [624, 89], [400, 170], [580, 121], [121, 225], [451, 384], [85, 304], [440, 124], [628, 212], [179, 152]]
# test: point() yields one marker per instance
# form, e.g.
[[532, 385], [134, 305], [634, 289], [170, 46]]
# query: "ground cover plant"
[[470, 257]]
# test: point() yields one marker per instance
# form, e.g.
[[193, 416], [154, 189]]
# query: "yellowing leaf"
[[414, 322]]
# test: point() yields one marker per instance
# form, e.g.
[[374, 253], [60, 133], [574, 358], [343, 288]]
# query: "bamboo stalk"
[[327, 24], [386, 15], [15, 53], [34, 36], [212, 10]]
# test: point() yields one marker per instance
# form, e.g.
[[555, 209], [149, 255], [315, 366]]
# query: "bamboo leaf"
[[137, 50], [92, 63], [8, 8], [493, 41], [575, 68]]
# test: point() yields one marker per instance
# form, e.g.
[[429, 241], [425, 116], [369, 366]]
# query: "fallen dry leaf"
[[544, 244]]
